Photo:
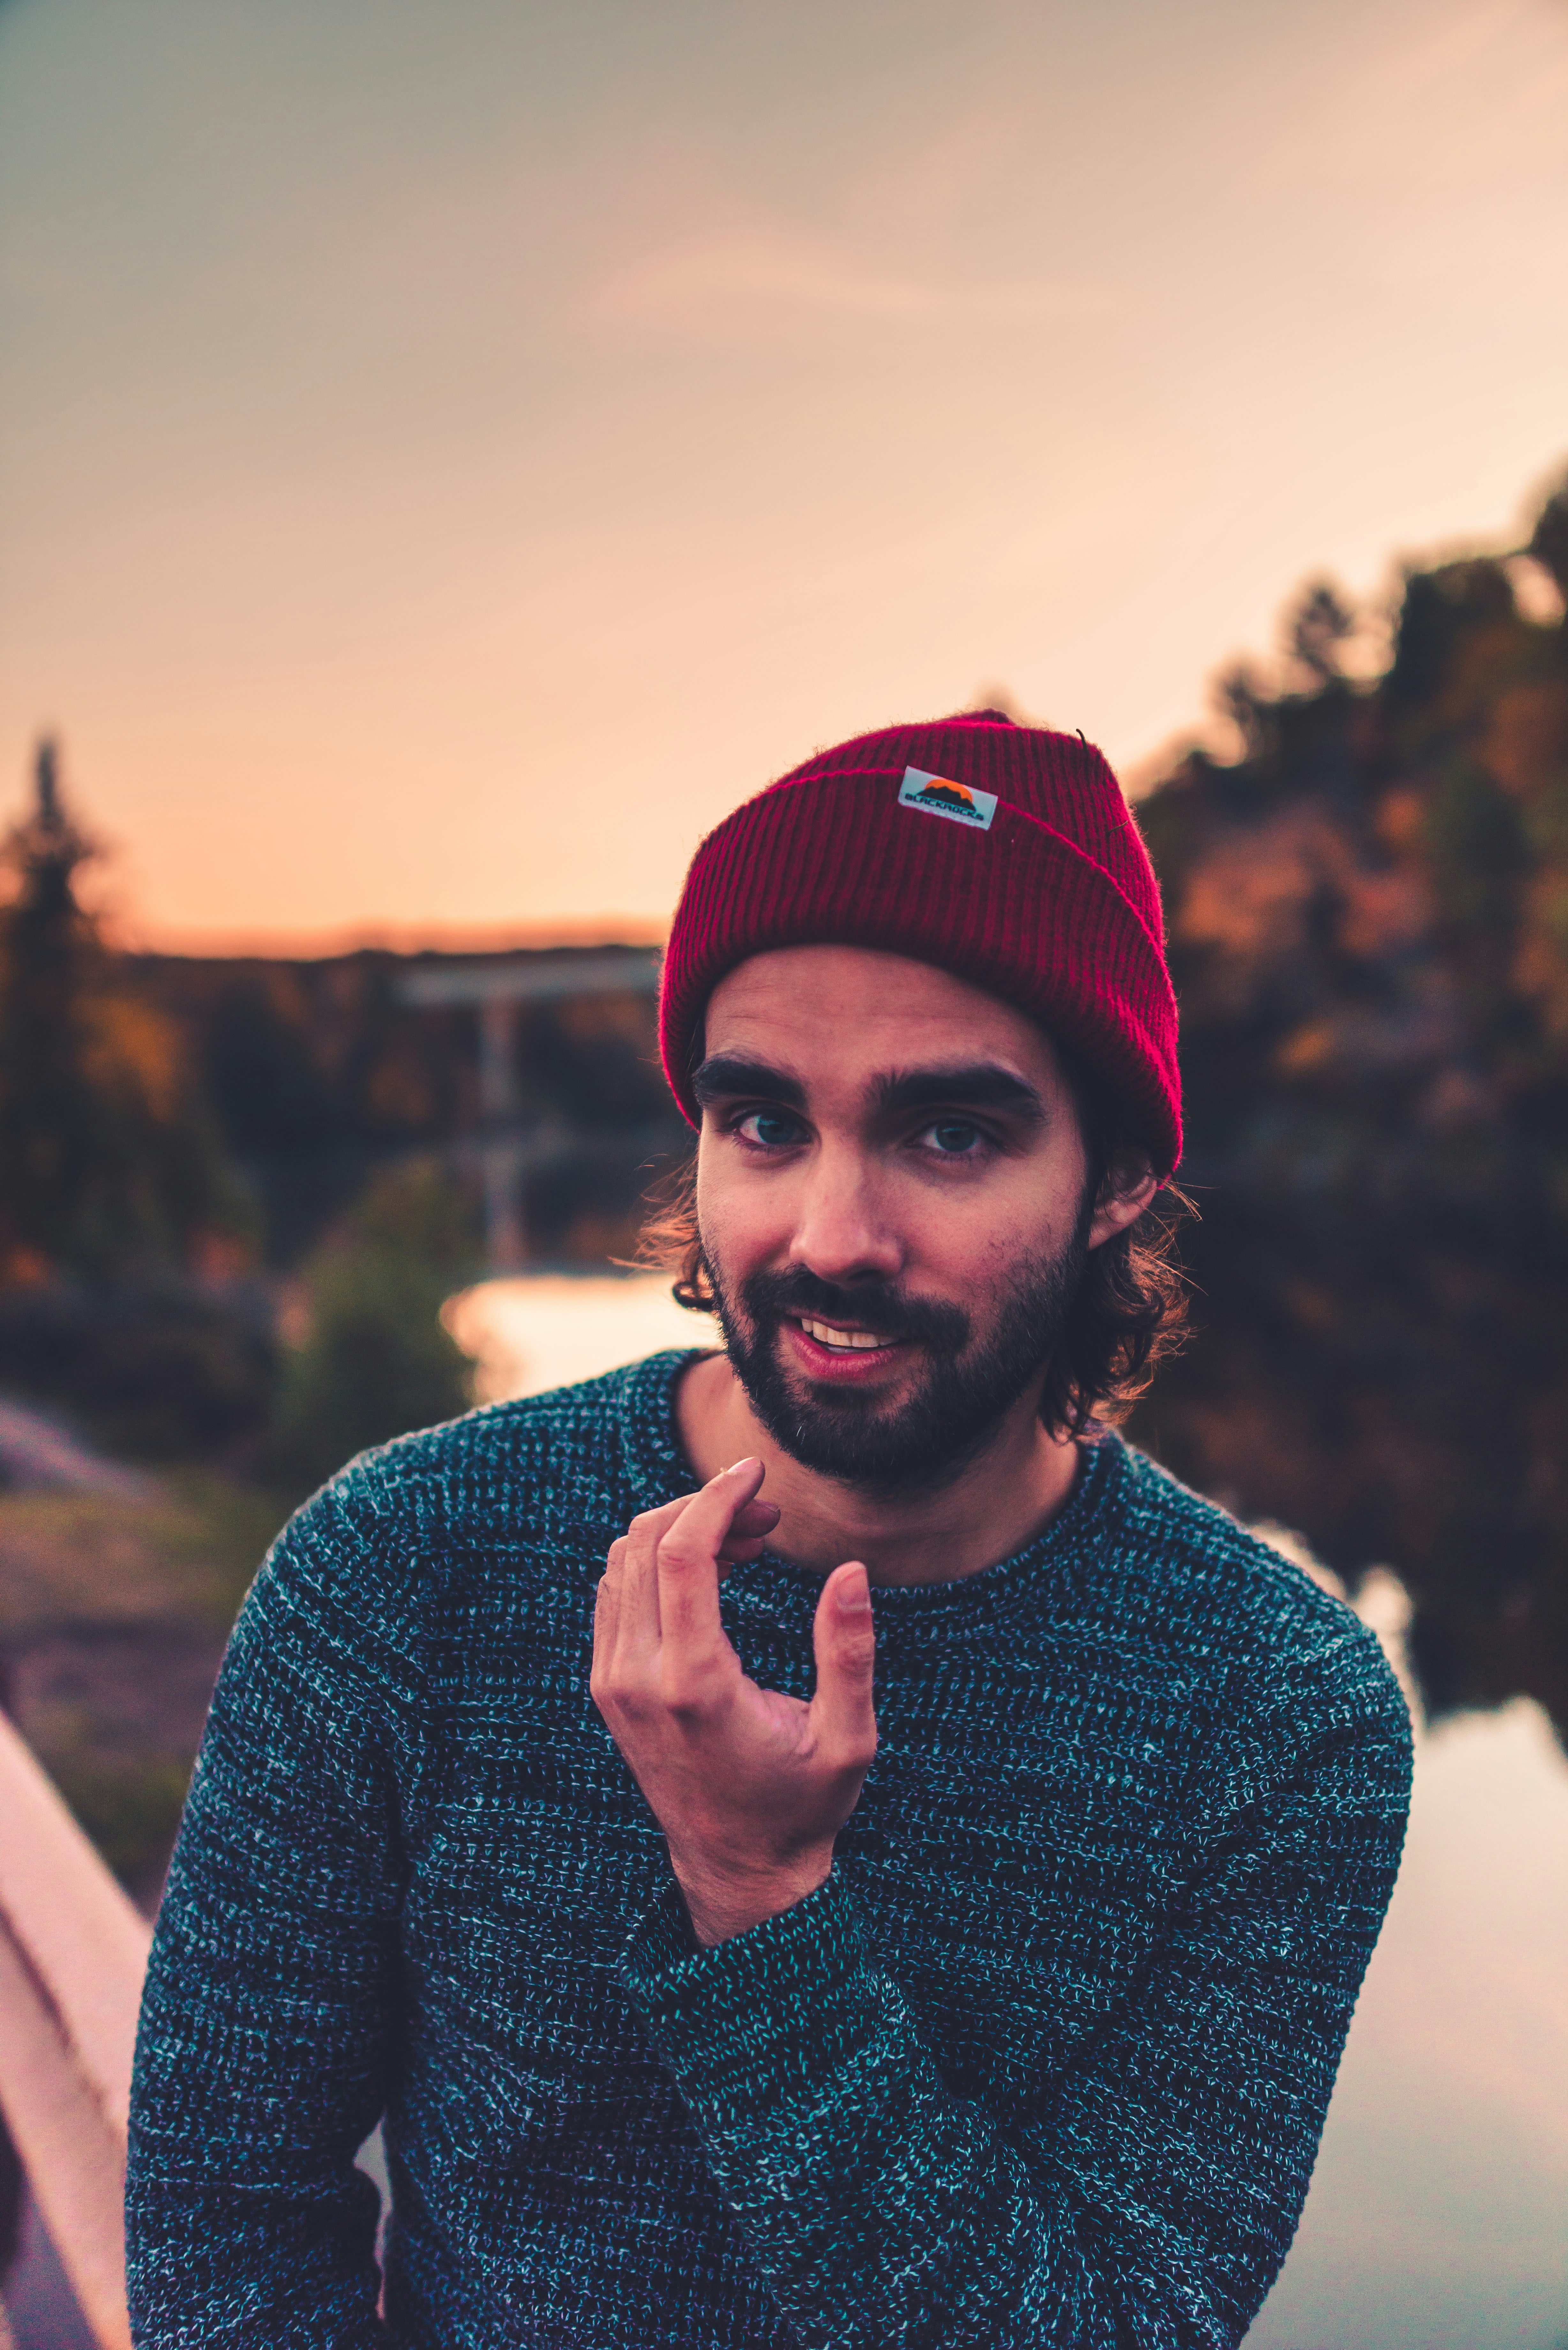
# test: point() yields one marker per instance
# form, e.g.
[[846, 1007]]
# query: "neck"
[[993, 1507]]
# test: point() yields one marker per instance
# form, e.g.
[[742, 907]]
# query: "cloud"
[[777, 279]]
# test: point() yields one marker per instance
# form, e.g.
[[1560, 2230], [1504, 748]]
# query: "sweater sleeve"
[[1146, 2200], [271, 1989]]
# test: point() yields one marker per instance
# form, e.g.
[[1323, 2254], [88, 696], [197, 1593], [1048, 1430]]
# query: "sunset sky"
[[455, 448]]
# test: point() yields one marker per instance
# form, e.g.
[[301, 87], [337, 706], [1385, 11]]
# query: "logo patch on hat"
[[939, 795]]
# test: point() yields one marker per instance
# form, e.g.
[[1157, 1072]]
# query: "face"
[[891, 1198]]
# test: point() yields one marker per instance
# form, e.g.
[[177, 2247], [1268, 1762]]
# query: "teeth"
[[848, 1342]]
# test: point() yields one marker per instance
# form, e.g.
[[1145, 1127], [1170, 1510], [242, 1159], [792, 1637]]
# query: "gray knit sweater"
[[1045, 2062]]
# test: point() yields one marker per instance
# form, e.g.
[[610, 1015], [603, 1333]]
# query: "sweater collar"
[[772, 1589]]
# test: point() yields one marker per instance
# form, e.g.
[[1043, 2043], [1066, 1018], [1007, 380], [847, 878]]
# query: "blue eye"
[[770, 1127], [954, 1137]]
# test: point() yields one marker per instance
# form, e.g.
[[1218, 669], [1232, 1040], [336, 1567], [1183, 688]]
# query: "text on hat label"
[[939, 795]]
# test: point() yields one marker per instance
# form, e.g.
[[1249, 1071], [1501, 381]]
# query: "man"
[[916, 1892]]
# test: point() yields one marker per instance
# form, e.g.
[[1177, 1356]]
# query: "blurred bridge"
[[497, 991]]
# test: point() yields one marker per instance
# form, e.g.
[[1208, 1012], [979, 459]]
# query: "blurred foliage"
[[109, 1166], [320, 1074], [157, 1369], [1549, 539], [114, 1611], [73, 1561], [374, 1359], [176, 1132], [124, 1235], [1369, 918]]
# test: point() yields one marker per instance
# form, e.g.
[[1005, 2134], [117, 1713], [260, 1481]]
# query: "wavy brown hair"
[[1130, 1309]]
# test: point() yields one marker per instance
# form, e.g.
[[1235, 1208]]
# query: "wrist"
[[721, 1903]]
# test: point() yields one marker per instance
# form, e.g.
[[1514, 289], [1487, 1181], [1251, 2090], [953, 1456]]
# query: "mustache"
[[880, 1306]]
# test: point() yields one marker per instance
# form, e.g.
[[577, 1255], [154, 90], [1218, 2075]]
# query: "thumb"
[[844, 1641]]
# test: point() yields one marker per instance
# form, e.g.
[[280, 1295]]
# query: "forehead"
[[827, 1012]]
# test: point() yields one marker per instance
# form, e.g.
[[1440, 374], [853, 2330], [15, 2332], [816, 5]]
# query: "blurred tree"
[[108, 1166], [1240, 696], [376, 1360], [1318, 630], [1368, 917], [268, 1088], [1549, 539]]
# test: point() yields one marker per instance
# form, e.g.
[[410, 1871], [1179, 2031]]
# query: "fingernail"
[[854, 1595], [736, 1466]]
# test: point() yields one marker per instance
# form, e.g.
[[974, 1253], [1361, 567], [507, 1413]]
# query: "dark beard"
[[970, 1384]]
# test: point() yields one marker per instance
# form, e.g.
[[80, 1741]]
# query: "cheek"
[[979, 1239], [968, 1263], [744, 1224], [985, 1273]]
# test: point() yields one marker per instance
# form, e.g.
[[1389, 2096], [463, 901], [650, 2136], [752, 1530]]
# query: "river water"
[[1438, 2213]]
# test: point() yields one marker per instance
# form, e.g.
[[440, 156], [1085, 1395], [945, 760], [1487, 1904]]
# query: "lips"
[[833, 1353]]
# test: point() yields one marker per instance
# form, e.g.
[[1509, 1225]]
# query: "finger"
[[749, 1530], [844, 1641], [690, 1630], [637, 1626], [608, 1595], [607, 1610]]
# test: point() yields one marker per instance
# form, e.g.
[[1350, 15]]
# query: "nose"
[[841, 1234]]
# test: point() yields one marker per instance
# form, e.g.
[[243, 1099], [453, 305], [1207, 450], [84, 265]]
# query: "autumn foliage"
[[1369, 912]]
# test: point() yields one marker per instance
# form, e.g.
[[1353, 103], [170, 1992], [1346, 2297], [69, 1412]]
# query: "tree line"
[[1369, 918]]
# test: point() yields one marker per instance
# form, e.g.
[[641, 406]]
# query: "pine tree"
[[109, 1168]]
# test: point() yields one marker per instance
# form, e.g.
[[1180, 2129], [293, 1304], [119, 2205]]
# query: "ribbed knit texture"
[[1054, 908], [1045, 2061]]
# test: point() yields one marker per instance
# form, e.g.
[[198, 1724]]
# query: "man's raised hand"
[[750, 1787]]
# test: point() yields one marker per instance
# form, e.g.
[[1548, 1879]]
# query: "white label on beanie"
[[939, 795]]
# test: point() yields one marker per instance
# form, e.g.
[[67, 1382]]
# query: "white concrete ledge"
[[73, 1952]]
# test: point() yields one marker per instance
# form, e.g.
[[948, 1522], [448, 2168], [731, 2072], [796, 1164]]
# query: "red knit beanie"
[[1003, 853]]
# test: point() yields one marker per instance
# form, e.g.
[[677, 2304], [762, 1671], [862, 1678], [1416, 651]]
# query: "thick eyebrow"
[[724, 1077], [981, 1085]]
